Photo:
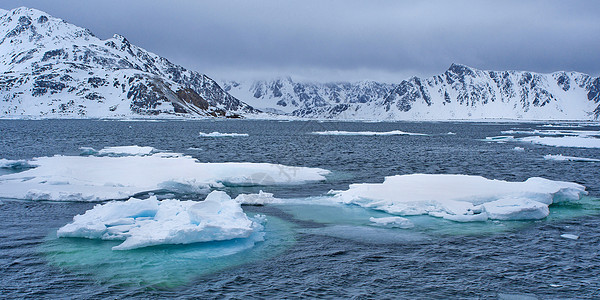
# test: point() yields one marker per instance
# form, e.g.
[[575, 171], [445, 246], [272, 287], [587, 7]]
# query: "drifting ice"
[[393, 222], [564, 141], [394, 132], [560, 157], [218, 134], [461, 198], [261, 198], [119, 151], [142, 223], [94, 178]]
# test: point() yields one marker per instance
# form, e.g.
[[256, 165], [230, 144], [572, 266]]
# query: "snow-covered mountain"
[[459, 93], [50, 68]]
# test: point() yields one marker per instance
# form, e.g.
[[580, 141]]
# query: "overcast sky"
[[328, 40]]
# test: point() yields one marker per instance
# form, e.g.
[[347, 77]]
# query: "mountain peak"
[[461, 70], [53, 68]]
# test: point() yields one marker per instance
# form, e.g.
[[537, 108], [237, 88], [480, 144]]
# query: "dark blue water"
[[310, 251]]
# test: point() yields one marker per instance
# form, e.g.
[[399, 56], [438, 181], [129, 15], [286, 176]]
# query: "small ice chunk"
[[86, 151], [126, 151], [565, 141], [367, 133], [500, 138], [516, 209], [399, 222], [560, 157], [218, 134], [16, 164], [142, 223], [519, 149], [569, 236], [261, 198]]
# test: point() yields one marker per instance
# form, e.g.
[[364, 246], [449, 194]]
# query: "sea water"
[[313, 248]]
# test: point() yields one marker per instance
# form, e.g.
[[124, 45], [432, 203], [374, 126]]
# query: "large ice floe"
[[150, 222], [365, 133], [97, 178], [462, 198]]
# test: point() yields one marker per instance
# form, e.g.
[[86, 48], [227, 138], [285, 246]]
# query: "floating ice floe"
[[564, 141], [119, 151], [581, 133], [218, 134], [143, 223], [393, 222], [569, 236], [461, 198], [519, 149], [261, 198], [560, 157], [96, 178], [368, 133], [15, 164]]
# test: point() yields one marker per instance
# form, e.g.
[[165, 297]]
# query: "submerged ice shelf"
[[461, 198], [142, 223], [96, 178]]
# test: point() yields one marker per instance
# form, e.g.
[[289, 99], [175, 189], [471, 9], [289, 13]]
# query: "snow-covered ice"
[[368, 133], [15, 164], [462, 198], [560, 157], [127, 151], [582, 133], [96, 178], [119, 151], [149, 222], [569, 236], [392, 222], [261, 198], [563, 141], [218, 134]]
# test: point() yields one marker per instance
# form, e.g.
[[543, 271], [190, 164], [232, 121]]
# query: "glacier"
[[461, 198], [97, 178], [149, 222]]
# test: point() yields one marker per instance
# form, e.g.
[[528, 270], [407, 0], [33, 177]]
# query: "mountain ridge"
[[460, 93], [50, 68], [53, 69]]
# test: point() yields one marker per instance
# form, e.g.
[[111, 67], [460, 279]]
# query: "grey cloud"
[[348, 39]]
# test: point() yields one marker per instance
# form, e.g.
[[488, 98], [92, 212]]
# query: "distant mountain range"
[[459, 93], [52, 69]]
